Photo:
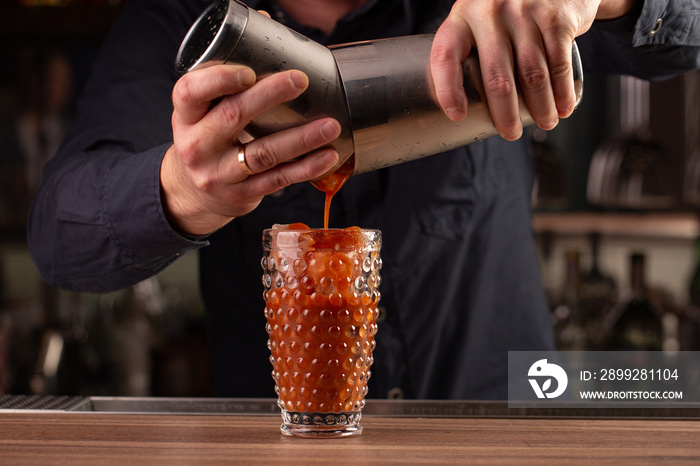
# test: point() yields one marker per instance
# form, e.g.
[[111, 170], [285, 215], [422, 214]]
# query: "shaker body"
[[393, 107]]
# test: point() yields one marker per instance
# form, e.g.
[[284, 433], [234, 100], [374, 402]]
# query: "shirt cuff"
[[668, 22], [658, 22], [626, 22], [136, 221]]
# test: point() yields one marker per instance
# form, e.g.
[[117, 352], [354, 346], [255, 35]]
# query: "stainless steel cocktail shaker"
[[380, 91]]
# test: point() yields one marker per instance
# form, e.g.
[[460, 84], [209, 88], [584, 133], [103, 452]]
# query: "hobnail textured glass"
[[321, 295]]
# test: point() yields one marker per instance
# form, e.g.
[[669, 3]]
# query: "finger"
[[534, 78], [497, 72], [241, 197], [559, 61], [193, 93], [451, 46], [310, 167], [284, 146], [234, 113]]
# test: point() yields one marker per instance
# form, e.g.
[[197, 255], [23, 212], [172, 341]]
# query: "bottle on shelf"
[[597, 295], [637, 321], [568, 323]]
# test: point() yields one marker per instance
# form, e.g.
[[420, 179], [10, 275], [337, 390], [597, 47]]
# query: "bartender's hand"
[[203, 185], [537, 34]]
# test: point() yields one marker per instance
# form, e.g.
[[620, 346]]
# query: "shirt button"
[[395, 394], [381, 317], [656, 27]]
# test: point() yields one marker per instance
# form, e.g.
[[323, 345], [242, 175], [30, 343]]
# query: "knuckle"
[[202, 181], [534, 79], [280, 179], [231, 110], [560, 70], [221, 76], [183, 91], [308, 141], [553, 18], [441, 54], [499, 85], [190, 152], [265, 158]]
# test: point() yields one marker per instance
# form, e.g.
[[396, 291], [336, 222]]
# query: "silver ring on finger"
[[241, 160]]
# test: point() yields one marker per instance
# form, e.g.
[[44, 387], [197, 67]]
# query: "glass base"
[[321, 425]]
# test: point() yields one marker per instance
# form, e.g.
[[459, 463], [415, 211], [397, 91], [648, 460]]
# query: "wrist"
[[179, 205], [613, 9]]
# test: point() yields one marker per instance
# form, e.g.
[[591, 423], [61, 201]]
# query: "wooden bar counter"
[[465, 433]]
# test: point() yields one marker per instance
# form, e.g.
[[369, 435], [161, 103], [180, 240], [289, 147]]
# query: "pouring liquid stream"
[[331, 184]]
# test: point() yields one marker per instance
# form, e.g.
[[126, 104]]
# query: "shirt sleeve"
[[97, 223], [656, 40]]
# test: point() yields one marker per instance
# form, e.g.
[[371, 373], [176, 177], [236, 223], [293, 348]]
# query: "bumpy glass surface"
[[321, 295]]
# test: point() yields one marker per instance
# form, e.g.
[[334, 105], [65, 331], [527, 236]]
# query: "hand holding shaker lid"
[[380, 91]]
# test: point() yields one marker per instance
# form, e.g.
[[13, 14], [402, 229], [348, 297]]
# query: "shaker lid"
[[213, 36]]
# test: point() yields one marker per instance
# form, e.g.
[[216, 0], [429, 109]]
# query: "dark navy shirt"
[[461, 283]]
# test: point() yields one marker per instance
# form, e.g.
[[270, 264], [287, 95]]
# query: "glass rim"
[[360, 230], [276, 238]]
